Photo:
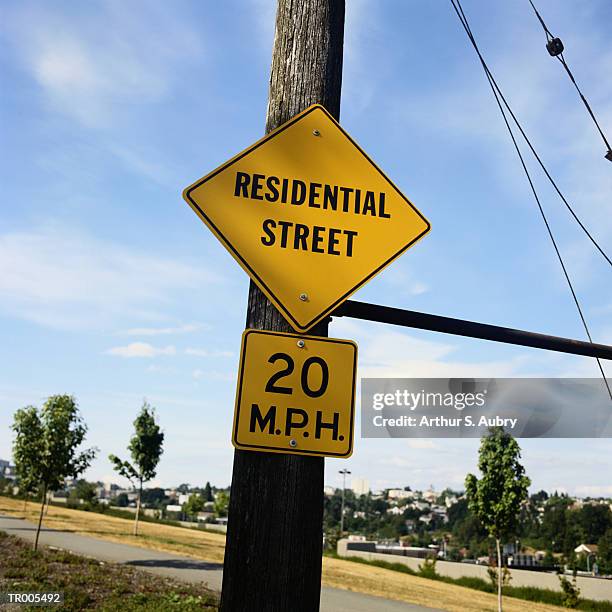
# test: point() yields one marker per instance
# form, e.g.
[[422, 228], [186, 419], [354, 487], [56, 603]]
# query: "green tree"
[[497, 497], [153, 497], [45, 446], [193, 505], [208, 496], [83, 490], [555, 524], [221, 503], [146, 447], [594, 520], [122, 500], [26, 446], [604, 554]]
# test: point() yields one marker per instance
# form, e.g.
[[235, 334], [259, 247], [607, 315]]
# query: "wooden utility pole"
[[274, 537]]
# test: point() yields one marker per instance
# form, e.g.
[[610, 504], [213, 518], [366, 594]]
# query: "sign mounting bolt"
[[316, 133], [301, 344], [304, 297], [292, 443]]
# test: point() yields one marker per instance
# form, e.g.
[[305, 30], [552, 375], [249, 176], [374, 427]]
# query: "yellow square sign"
[[296, 394], [308, 215]]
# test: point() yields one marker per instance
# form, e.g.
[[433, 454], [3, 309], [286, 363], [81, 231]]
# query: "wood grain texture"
[[274, 540]]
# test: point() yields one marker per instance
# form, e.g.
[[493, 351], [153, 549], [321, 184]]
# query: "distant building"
[[522, 560], [430, 495], [360, 486], [7, 470], [586, 549], [450, 500], [399, 494], [329, 491]]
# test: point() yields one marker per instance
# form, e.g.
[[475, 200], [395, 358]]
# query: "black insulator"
[[554, 46]]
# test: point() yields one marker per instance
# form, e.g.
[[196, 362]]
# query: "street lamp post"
[[344, 472]]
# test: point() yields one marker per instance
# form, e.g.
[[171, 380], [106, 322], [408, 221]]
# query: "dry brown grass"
[[190, 542], [404, 587], [336, 572]]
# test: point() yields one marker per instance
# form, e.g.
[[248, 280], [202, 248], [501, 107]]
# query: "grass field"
[[90, 585], [337, 573]]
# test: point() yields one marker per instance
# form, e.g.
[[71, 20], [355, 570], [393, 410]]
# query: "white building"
[[430, 495], [450, 500], [360, 486], [399, 494]]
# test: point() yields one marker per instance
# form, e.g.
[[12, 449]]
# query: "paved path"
[[184, 568]]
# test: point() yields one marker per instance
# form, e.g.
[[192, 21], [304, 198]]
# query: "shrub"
[[427, 569], [571, 592]]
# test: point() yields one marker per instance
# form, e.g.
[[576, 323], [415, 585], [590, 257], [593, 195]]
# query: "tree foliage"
[[496, 498], [207, 495], [46, 445], [604, 555], [83, 490], [193, 505], [146, 448], [27, 446], [221, 503]]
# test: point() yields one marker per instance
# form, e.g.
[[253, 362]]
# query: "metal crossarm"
[[471, 329]]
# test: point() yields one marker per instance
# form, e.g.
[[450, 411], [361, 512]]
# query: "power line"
[[532, 148], [499, 98], [555, 49]]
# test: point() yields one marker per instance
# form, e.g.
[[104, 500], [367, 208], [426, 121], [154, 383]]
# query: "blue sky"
[[112, 289]]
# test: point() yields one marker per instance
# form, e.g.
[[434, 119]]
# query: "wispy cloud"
[[200, 352], [393, 354], [165, 331], [141, 349], [93, 64], [199, 374], [63, 278], [419, 288]]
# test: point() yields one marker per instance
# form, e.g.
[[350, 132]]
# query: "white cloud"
[[385, 353], [149, 163], [162, 331], [64, 278], [93, 65], [419, 288], [141, 349]]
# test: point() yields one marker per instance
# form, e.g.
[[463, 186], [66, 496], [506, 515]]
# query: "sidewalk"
[[185, 568]]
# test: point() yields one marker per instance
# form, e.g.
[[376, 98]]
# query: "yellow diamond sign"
[[308, 215]]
